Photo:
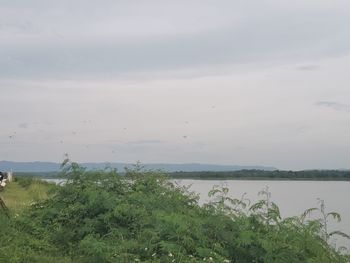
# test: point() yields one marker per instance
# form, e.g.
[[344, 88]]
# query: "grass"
[[18, 197]]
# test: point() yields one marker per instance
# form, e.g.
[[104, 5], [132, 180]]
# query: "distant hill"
[[186, 167]]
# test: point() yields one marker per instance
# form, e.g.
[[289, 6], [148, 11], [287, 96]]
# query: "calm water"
[[292, 197]]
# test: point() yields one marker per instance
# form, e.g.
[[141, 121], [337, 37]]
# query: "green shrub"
[[100, 216]]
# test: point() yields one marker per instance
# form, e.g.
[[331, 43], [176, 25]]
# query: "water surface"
[[292, 197]]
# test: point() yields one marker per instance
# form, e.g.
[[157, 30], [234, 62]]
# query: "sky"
[[223, 82]]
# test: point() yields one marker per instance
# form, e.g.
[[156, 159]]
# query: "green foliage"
[[99, 216], [332, 175]]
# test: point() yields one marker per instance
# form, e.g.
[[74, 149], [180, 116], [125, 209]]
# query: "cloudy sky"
[[226, 82]]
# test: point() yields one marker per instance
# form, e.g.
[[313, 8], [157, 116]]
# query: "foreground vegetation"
[[98, 216], [24, 192]]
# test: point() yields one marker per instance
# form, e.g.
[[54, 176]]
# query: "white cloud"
[[93, 40], [334, 105], [184, 81]]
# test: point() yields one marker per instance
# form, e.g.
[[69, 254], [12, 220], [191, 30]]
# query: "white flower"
[[170, 255], [154, 254]]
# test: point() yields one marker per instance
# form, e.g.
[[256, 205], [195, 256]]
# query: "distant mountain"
[[186, 167], [29, 166]]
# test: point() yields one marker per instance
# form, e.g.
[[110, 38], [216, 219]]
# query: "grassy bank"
[[23, 192], [100, 216]]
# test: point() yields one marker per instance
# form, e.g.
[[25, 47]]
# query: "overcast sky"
[[263, 82]]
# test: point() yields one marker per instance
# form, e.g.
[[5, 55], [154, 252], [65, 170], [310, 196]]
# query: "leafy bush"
[[99, 216]]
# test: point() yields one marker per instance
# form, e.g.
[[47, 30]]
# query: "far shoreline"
[[240, 175]]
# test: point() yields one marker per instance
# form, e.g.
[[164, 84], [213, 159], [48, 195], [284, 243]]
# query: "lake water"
[[292, 197]]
